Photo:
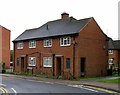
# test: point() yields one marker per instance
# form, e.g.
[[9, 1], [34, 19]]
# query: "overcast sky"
[[19, 15]]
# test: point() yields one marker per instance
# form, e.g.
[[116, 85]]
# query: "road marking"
[[101, 89], [49, 82], [90, 89], [2, 85], [3, 90], [14, 91], [81, 86]]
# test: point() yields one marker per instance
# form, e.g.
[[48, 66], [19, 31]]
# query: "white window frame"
[[110, 51], [32, 59], [46, 59], [20, 45], [64, 41], [110, 60], [48, 43], [32, 44]]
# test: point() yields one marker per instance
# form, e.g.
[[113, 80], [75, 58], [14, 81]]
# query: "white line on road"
[[90, 89], [81, 86], [14, 91], [2, 85]]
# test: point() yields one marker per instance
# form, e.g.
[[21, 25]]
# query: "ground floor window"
[[110, 61], [32, 61], [68, 63], [47, 61], [18, 61]]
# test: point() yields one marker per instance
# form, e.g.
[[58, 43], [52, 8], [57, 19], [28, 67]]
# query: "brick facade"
[[5, 46], [90, 45]]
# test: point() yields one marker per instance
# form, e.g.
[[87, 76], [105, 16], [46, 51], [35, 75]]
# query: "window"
[[110, 51], [47, 61], [48, 43], [110, 61], [32, 44], [18, 61], [67, 62], [32, 61], [65, 41], [20, 45]]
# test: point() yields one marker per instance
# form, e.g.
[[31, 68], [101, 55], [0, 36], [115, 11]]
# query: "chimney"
[[64, 15]]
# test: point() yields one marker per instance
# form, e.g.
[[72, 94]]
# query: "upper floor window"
[[110, 51], [20, 45], [32, 61], [65, 41], [48, 43], [32, 44]]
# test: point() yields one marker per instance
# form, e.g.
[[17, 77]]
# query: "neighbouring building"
[[5, 46], [114, 54], [65, 47]]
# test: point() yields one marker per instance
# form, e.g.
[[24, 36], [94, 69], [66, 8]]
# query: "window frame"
[[110, 60], [48, 65], [64, 41], [29, 60], [47, 42], [18, 61], [31, 42], [110, 51], [19, 45]]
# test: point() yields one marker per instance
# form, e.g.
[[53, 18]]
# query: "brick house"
[[65, 47], [114, 53], [5, 46]]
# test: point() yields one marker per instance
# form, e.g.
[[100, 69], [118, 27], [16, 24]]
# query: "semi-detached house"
[[114, 54], [65, 47]]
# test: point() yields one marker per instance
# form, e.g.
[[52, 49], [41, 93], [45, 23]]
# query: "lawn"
[[111, 81]]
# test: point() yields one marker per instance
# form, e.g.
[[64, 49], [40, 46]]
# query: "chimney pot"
[[64, 15]]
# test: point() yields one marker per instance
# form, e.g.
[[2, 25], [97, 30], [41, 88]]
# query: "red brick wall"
[[6, 47], [90, 44], [48, 51]]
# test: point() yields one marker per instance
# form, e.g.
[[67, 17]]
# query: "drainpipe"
[[74, 56], [14, 58]]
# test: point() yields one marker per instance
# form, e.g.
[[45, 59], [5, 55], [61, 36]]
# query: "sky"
[[19, 15]]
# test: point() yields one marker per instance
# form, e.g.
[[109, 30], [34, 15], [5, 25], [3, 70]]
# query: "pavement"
[[92, 83]]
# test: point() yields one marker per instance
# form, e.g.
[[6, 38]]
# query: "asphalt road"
[[18, 86]]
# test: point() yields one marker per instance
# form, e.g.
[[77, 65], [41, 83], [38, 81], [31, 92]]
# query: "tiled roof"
[[54, 28], [114, 44]]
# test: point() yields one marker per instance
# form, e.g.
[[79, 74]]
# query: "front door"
[[58, 66], [22, 64], [82, 67]]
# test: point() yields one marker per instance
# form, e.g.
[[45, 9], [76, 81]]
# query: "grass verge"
[[116, 81]]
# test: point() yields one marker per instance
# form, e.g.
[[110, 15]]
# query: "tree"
[[11, 55]]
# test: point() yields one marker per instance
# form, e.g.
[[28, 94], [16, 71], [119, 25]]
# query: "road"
[[21, 85]]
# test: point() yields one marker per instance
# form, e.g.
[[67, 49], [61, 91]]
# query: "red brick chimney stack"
[[64, 15]]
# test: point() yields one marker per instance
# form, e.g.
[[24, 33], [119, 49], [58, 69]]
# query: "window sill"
[[32, 47], [65, 45], [47, 46]]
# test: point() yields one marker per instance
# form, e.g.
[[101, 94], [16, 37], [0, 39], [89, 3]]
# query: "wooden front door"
[[58, 66], [22, 64]]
